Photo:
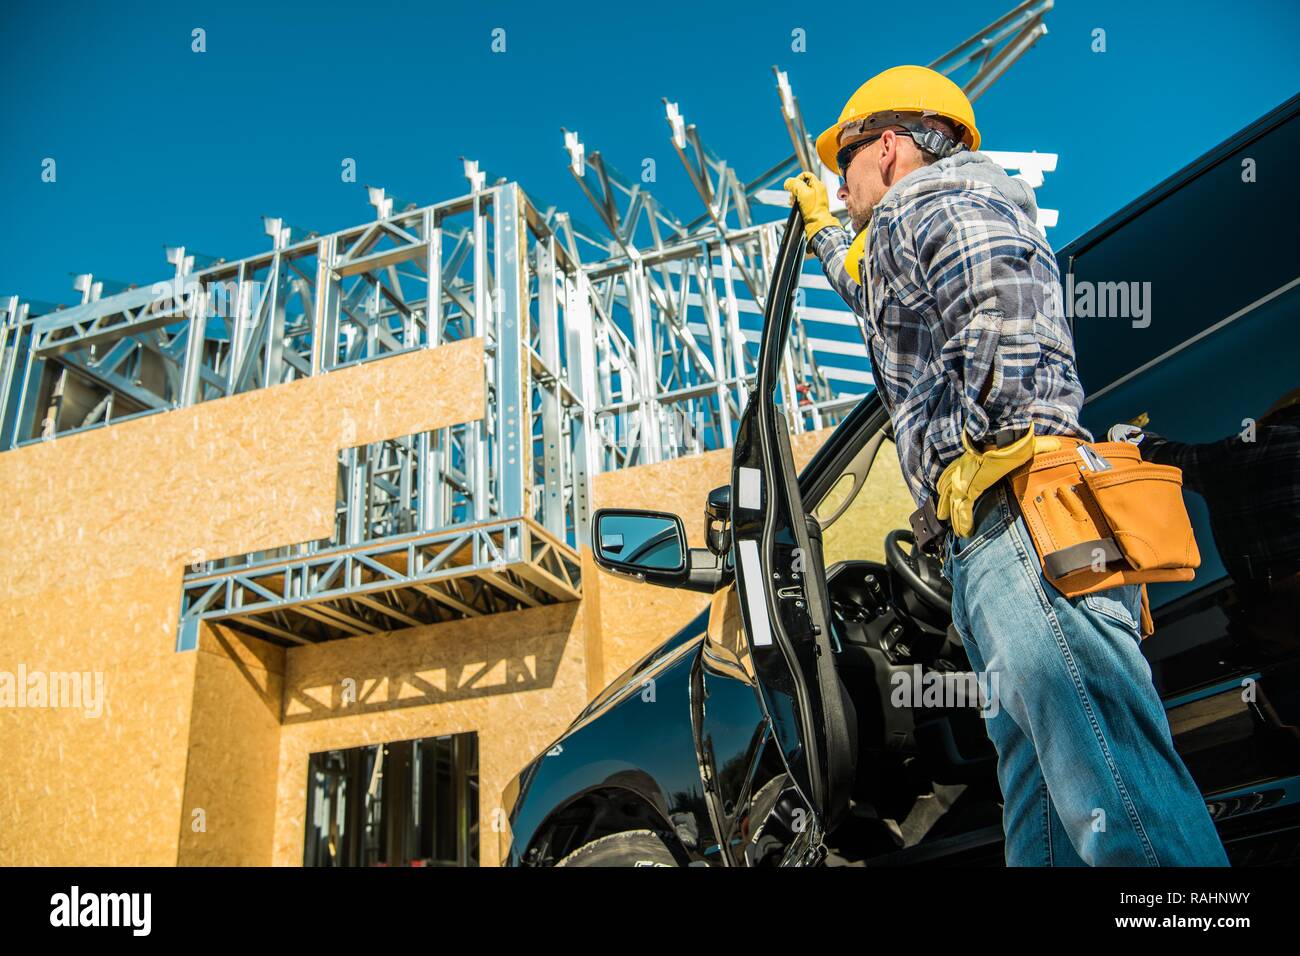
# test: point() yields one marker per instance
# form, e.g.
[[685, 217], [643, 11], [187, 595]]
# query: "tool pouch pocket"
[[1094, 529], [1066, 513], [1143, 507]]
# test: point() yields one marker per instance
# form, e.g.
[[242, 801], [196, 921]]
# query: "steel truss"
[[641, 353], [405, 581]]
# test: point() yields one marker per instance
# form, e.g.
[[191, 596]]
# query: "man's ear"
[[888, 154]]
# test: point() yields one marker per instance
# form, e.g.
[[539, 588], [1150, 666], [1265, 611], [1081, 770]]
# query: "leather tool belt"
[[1099, 517]]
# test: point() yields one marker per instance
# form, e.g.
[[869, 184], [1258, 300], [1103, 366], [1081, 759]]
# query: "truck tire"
[[630, 848]]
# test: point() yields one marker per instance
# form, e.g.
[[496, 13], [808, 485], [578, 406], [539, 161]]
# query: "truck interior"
[[926, 778]]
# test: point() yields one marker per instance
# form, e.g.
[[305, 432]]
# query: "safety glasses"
[[846, 153]]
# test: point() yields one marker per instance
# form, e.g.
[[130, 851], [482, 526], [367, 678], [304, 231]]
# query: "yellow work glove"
[[967, 477], [814, 202]]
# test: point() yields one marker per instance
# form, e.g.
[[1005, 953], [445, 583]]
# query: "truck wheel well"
[[595, 814]]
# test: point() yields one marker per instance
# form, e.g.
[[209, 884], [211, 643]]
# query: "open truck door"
[[777, 553]]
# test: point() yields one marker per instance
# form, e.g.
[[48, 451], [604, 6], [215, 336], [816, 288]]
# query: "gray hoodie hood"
[[955, 169]]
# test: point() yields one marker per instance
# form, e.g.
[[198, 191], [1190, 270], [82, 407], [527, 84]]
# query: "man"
[[959, 300]]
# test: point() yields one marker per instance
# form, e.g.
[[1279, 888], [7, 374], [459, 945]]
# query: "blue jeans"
[[1088, 769]]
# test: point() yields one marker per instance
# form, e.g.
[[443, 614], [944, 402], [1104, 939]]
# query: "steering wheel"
[[919, 572]]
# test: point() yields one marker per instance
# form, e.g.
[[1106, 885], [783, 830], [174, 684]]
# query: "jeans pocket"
[[1122, 603], [963, 549]]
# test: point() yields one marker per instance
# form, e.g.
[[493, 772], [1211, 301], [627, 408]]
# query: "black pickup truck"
[[772, 739]]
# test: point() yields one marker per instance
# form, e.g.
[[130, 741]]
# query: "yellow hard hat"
[[903, 89]]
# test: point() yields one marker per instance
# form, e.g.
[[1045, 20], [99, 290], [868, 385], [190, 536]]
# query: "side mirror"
[[650, 546], [640, 541]]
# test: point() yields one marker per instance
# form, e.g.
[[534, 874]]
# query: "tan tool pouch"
[[1097, 529], [1143, 505]]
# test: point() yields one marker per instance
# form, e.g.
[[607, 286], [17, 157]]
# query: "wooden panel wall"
[[97, 529]]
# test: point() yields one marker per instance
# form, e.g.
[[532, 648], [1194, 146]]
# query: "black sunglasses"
[[846, 153]]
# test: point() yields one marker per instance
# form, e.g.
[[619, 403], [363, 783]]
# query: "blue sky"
[[157, 145]]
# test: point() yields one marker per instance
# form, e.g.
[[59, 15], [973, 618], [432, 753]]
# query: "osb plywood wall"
[[517, 679], [632, 618], [97, 529], [228, 803]]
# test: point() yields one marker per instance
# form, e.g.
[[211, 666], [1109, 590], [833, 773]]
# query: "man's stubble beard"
[[858, 216]]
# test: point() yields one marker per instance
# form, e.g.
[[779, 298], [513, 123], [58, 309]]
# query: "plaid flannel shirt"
[[959, 289]]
